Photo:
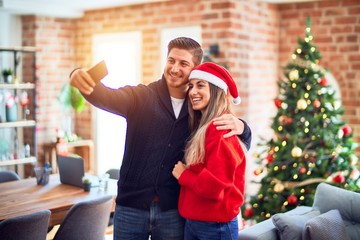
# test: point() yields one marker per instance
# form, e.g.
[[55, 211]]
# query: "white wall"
[[10, 29]]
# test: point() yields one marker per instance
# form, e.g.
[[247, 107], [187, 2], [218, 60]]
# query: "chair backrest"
[[8, 175], [86, 220], [26, 227], [114, 173]]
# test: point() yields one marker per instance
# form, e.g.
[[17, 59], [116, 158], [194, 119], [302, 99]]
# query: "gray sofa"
[[335, 214]]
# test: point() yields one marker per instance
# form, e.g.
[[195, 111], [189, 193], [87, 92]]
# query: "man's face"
[[178, 67]]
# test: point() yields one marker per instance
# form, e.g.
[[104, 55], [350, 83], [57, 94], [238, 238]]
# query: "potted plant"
[[71, 100], [86, 183], [7, 74]]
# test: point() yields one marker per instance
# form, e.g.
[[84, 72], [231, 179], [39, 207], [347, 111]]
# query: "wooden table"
[[25, 196]]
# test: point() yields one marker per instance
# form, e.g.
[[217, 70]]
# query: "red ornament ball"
[[347, 130], [316, 103], [323, 82], [257, 172], [270, 158], [282, 119], [292, 199], [339, 179], [278, 103], [248, 212], [302, 170]]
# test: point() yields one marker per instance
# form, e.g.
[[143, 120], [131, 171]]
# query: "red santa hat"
[[218, 76]]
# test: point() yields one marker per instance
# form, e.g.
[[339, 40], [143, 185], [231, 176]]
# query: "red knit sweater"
[[214, 191]]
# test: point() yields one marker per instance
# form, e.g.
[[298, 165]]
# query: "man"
[[157, 129]]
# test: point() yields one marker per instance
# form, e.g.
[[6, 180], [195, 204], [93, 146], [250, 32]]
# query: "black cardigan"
[[155, 142]]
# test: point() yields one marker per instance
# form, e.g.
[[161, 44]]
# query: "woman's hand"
[[230, 122], [179, 168]]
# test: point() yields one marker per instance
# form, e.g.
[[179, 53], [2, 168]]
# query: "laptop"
[[71, 169]]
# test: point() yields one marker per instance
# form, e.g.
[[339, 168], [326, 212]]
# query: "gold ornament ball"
[[301, 104], [296, 152], [294, 75], [279, 187]]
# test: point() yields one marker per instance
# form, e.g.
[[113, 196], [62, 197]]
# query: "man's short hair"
[[189, 44]]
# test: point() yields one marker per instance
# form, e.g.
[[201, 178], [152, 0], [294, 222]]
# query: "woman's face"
[[199, 94]]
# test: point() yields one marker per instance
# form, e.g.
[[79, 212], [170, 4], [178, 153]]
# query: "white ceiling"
[[76, 8], [62, 8]]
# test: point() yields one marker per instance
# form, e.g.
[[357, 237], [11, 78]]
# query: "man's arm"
[[236, 126], [246, 136]]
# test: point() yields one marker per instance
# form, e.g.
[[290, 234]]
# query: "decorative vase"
[[11, 113], [8, 79]]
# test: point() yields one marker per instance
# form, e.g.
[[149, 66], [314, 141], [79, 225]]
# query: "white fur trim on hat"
[[209, 78]]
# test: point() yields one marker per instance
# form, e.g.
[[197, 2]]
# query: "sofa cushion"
[[328, 226], [328, 197], [290, 226], [266, 230], [345, 201]]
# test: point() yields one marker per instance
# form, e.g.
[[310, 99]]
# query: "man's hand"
[[230, 122], [179, 168], [81, 80]]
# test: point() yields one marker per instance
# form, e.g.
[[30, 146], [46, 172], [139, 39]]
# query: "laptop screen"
[[71, 169]]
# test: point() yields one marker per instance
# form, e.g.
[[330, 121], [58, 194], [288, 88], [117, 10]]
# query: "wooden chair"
[[26, 227], [86, 220]]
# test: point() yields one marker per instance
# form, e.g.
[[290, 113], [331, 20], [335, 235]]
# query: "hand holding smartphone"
[[98, 72]]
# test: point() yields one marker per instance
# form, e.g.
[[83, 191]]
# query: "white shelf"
[[18, 161], [25, 123], [18, 49], [17, 86]]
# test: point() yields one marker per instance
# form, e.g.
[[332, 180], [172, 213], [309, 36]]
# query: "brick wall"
[[255, 40], [54, 40]]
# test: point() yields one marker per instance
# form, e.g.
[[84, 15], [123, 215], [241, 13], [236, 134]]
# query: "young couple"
[[158, 131]]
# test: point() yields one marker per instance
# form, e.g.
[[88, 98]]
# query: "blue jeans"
[[198, 230], [136, 224]]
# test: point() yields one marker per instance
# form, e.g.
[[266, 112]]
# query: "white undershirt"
[[177, 104]]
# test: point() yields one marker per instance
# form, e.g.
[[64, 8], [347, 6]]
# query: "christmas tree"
[[311, 144]]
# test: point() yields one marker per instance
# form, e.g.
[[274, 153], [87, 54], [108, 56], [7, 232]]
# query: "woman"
[[212, 178]]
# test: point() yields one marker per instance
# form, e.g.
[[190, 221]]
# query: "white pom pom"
[[237, 100]]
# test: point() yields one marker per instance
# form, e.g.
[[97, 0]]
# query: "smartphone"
[[98, 72]]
